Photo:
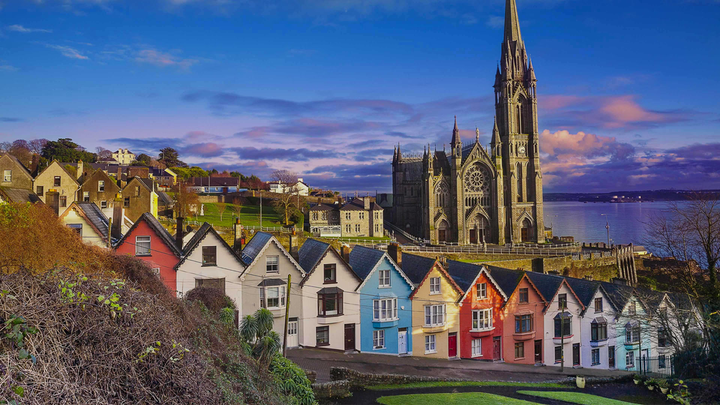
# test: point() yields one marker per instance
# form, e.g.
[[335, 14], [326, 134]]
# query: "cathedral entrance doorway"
[[526, 231], [473, 236], [442, 231]]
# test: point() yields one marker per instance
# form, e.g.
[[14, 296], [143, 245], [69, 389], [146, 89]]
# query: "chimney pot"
[[345, 252], [366, 203], [395, 252], [179, 233]]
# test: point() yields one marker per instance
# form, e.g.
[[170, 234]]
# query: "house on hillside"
[[56, 187], [300, 187], [361, 217], [331, 304], [88, 220], [100, 189], [324, 220], [215, 185], [18, 195], [139, 196], [123, 156], [149, 241], [481, 314], [386, 315], [633, 328], [208, 261], [14, 174], [264, 284]]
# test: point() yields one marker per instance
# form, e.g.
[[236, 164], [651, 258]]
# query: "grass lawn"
[[434, 384], [249, 215], [575, 397], [465, 398]]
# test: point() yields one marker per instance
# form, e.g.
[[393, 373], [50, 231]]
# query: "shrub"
[[293, 380], [213, 299]]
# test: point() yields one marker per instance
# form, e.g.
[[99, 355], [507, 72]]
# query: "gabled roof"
[[19, 195], [198, 237], [549, 286], [161, 233], [466, 275], [357, 204], [416, 267], [506, 279], [444, 273], [364, 261], [619, 294], [584, 289], [323, 207], [62, 168], [93, 215], [257, 245], [109, 181], [311, 254], [17, 162]]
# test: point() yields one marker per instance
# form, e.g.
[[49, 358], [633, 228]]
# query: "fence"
[[494, 250], [663, 365]]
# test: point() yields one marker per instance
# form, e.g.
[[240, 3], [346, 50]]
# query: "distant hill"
[[630, 196]]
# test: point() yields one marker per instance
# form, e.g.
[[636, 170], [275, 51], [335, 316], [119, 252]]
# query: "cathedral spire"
[[512, 23], [456, 136], [496, 134]]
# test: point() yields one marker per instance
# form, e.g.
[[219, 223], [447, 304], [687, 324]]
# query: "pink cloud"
[[581, 143], [623, 109], [556, 102], [163, 59]]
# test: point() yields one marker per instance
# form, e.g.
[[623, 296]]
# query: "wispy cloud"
[[10, 119], [495, 21], [68, 52], [7, 68], [163, 59], [20, 28]]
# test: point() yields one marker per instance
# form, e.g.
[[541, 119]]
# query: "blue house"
[[385, 306]]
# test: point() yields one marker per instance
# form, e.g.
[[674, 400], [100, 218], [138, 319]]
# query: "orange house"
[[523, 323]]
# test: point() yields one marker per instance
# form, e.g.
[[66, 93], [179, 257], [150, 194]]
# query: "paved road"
[[320, 361]]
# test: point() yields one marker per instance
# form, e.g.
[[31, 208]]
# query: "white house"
[[124, 157], [331, 306], [208, 261], [264, 284], [88, 220], [285, 188]]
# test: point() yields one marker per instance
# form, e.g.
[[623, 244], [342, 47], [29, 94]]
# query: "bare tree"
[[103, 154], [284, 176], [286, 205], [186, 200], [36, 145], [221, 206], [236, 206]]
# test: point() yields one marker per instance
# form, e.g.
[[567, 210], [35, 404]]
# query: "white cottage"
[[88, 220]]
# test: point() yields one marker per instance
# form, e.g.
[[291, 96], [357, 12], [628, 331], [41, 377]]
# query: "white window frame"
[[86, 196], [476, 347], [434, 315], [385, 310], [430, 344], [265, 296], [140, 250], [384, 278], [156, 271], [7, 176], [630, 359], [593, 354], [434, 285], [276, 264], [379, 339], [101, 186], [482, 319], [481, 290]]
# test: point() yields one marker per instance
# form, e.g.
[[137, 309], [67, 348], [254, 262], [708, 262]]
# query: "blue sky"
[[627, 90]]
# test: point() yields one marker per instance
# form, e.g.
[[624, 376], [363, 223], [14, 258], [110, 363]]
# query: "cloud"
[[20, 28], [163, 59], [8, 68], [10, 119], [68, 52], [495, 21], [290, 155]]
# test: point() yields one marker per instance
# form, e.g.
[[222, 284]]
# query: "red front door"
[[452, 345], [473, 236], [496, 348]]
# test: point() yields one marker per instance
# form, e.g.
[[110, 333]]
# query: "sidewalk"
[[321, 361]]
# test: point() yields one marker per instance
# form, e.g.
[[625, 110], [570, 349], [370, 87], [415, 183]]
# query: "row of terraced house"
[[390, 303]]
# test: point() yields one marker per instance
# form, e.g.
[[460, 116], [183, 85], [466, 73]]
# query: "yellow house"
[[436, 314]]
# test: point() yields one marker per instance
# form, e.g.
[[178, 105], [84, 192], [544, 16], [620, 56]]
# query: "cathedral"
[[473, 195]]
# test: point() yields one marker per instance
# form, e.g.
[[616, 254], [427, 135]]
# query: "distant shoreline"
[[616, 197]]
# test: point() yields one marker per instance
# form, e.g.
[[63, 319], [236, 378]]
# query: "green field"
[[249, 215], [465, 398], [575, 397], [435, 384]]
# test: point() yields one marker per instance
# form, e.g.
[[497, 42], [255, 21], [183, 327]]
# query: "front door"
[[402, 341], [496, 348], [576, 354], [441, 235], [292, 333], [525, 235], [611, 356], [349, 336], [473, 236], [452, 345], [538, 351]]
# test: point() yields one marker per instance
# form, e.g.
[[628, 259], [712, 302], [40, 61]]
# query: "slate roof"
[[619, 294], [584, 289], [253, 248], [161, 232], [416, 267], [310, 254], [363, 260], [149, 183], [94, 215], [215, 181], [198, 236], [357, 204], [547, 284], [506, 279], [464, 274], [323, 207], [19, 195], [164, 198]]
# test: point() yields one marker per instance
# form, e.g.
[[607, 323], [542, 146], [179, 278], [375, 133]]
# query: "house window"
[[523, 323], [564, 321], [86, 196], [663, 338], [103, 204], [315, 216], [632, 333], [361, 215], [378, 339], [598, 304], [272, 264], [661, 361], [63, 201], [519, 350], [598, 330], [595, 357], [156, 271], [348, 228], [357, 228], [216, 283], [523, 295], [385, 310], [476, 347], [377, 228], [77, 228], [209, 256], [434, 315], [142, 246], [384, 278], [562, 301], [272, 297], [347, 216], [481, 291], [56, 181], [430, 344], [126, 202], [630, 359], [482, 319], [632, 310], [322, 336], [40, 191], [101, 186], [7, 176], [324, 216], [434, 285], [330, 273], [330, 304], [558, 354], [137, 191]]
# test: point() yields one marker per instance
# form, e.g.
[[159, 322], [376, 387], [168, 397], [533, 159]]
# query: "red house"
[[481, 312], [149, 241]]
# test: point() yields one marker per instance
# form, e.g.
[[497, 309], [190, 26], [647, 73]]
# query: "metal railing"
[[494, 250]]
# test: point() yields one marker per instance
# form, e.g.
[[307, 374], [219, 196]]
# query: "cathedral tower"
[[517, 135]]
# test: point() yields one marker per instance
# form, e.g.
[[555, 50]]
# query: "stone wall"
[[333, 389], [360, 380]]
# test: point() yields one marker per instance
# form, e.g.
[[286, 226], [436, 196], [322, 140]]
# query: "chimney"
[[179, 233], [237, 236], [589, 277], [554, 272], [345, 252], [366, 203], [395, 252], [619, 280], [79, 169], [117, 219]]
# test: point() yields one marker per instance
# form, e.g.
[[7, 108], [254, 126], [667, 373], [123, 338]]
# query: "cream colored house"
[[88, 220], [331, 306], [56, 187], [264, 284], [124, 157], [208, 261]]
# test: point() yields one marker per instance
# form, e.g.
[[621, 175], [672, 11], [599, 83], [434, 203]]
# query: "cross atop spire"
[[512, 23]]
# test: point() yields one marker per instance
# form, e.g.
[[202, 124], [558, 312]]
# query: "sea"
[[586, 221]]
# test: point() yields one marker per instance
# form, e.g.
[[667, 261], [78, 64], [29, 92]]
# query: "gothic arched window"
[[442, 195], [519, 177]]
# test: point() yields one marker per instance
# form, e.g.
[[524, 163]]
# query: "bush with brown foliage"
[[213, 299]]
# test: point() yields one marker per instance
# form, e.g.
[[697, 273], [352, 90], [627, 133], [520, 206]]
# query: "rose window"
[[477, 180]]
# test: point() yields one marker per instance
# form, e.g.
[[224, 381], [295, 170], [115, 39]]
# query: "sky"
[[627, 90]]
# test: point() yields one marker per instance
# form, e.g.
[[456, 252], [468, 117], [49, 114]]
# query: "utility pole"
[[261, 210], [287, 315]]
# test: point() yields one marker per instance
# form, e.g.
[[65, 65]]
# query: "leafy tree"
[[287, 206], [142, 160], [170, 158], [65, 150]]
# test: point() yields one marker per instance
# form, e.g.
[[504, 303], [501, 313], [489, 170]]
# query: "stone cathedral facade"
[[474, 195]]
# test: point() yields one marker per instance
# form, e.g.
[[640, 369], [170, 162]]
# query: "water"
[[586, 223]]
